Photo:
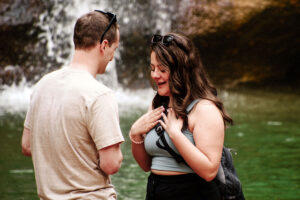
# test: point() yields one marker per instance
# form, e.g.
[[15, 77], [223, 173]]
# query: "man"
[[72, 127]]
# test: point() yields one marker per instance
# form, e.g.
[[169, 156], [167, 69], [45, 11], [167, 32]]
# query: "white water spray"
[[58, 31]]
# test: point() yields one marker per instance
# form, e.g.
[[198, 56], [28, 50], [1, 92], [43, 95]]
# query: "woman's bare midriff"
[[158, 172]]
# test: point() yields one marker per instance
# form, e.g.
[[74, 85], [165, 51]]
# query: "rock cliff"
[[245, 41]]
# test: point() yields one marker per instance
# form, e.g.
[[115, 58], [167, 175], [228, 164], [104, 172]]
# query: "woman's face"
[[160, 74]]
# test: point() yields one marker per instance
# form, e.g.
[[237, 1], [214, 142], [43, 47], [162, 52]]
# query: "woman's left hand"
[[171, 124]]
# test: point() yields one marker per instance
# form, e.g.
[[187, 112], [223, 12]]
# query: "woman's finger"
[[158, 111], [162, 124], [153, 113], [154, 123], [165, 117], [170, 113], [150, 125], [157, 117], [152, 119]]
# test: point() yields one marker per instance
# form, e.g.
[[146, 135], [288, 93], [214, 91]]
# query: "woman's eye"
[[163, 70]]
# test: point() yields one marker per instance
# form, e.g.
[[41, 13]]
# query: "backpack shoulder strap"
[[166, 146], [191, 106]]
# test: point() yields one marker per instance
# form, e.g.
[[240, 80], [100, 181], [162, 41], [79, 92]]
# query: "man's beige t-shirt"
[[71, 116]]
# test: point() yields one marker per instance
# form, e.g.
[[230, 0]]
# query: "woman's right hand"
[[139, 128], [146, 122]]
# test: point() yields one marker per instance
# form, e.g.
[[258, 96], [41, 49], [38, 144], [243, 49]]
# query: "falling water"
[[57, 29]]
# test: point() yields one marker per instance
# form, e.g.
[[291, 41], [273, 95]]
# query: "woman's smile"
[[161, 84], [160, 74]]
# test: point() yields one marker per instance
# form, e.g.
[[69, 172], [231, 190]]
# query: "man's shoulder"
[[74, 83], [95, 86], [50, 75], [92, 89], [46, 78]]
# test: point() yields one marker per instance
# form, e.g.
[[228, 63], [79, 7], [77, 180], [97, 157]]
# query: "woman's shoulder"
[[203, 105], [205, 111], [205, 102]]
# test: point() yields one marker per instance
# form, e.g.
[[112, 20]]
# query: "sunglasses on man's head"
[[165, 40], [113, 19]]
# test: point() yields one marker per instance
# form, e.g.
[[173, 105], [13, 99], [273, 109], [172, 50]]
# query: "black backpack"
[[227, 179], [230, 184]]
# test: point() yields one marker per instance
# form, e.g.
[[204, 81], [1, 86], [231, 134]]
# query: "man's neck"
[[86, 60]]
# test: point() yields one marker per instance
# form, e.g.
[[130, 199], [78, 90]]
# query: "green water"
[[266, 138]]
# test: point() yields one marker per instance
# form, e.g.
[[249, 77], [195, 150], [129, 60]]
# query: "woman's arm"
[[143, 125], [207, 126]]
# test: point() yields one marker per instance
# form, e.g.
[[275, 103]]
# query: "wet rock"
[[244, 41], [10, 75], [20, 47]]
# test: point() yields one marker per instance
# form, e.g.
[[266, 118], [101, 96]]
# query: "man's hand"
[[26, 142]]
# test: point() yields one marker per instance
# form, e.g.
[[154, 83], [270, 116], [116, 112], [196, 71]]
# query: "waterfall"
[[56, 25]]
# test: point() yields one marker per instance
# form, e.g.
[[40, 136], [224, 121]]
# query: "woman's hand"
[[171, 124], [143, 125], [146, 122]]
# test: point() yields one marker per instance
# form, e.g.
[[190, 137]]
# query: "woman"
[[193, 128]]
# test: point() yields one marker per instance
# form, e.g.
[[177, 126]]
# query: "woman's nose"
[[155, 74]]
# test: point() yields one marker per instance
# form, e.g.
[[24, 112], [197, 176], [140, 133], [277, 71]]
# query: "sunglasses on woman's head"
[[165, 40], [113, 19]]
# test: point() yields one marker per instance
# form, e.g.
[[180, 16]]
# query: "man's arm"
[[110, 159], [26, 142]]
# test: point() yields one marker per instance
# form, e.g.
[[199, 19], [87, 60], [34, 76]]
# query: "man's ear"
[[103, 45]]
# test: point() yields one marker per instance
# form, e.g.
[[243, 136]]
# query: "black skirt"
[[181, 187]]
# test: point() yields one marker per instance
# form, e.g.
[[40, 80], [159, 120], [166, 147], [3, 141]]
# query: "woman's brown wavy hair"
[[188, 80]]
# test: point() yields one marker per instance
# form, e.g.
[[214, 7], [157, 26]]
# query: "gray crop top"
[[161, 159]]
